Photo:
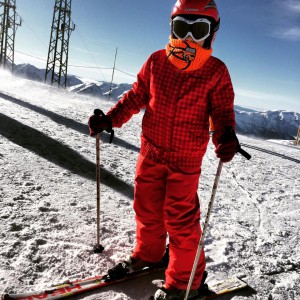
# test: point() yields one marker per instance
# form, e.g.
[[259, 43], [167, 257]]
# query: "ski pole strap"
[[239, 149], [243, 152], [229, 131], [112, 134]]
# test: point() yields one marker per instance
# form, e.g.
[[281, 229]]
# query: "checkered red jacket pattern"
[[175, 127]]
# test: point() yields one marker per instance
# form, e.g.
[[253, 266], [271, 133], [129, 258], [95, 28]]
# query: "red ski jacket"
[[175, 127]]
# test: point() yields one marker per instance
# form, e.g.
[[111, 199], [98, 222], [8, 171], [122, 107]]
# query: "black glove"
[[99, 122], [227, 145]]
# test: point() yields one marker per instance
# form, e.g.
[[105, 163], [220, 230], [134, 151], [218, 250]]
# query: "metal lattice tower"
[[8, 28], [57, 62]]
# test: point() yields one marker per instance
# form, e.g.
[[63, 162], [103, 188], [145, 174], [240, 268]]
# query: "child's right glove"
[[227, 145], [99, 122]]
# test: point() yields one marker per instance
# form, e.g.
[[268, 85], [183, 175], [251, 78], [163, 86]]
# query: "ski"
[[221, 288], [214, 290], [71, 288], [68, 289]]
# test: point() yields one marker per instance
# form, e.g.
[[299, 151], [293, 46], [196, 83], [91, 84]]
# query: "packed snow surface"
[[48, 201]]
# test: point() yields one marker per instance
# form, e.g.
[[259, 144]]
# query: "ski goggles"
[[198, 29]]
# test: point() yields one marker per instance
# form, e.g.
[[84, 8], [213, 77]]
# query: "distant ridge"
[[277, 124]]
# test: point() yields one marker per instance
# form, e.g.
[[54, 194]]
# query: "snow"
[[48, 201]]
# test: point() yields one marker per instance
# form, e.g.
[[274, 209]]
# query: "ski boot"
[[172, 293], [131, 265]]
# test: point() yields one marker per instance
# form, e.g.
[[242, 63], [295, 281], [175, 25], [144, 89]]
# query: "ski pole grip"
[[98, 112], [244, 153]]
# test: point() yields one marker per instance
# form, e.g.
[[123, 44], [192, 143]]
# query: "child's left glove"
[[227, 145]]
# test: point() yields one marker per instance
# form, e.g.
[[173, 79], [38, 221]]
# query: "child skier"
[[181, 87]]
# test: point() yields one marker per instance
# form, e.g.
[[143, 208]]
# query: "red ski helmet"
[[206, 8], [193, 9]]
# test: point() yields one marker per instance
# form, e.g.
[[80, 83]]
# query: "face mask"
[[186, 55]]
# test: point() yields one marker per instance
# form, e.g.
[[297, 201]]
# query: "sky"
[[259, 41]]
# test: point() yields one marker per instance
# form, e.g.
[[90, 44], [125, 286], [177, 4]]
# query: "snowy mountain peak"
[[267, 124]]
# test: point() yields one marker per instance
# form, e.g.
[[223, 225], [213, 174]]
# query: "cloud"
[[267, 101], [288, 27], [292, 34], [293, 5], [250, 94]]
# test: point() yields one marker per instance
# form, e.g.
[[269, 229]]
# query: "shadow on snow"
[[58, 153]]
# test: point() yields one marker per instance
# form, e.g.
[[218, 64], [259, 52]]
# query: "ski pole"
[[98, 248], [99, 113], [200, 245], [210, 205]]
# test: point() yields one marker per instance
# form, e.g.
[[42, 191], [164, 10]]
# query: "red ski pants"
[[166, 202]]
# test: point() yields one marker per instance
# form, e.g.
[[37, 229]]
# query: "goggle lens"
[[198, 29]]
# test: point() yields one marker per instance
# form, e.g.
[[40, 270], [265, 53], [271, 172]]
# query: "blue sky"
[[258, 40]]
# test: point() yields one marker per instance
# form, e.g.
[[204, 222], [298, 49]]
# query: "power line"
[[90, 54], [79, 66], [90, 67], [72, 65], [126, 73], [23, 20], [30, 55]]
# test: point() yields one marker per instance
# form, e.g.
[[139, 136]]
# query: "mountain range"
[[270, 124]]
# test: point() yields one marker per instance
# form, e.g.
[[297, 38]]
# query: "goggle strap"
[[217, 26]]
